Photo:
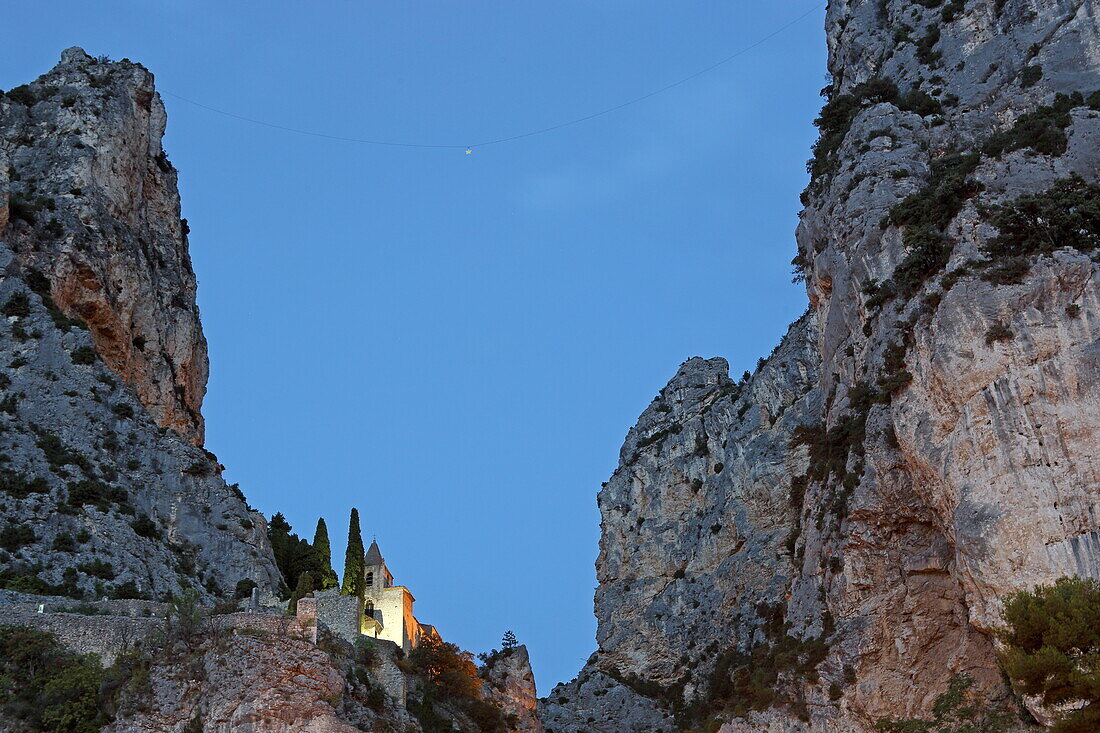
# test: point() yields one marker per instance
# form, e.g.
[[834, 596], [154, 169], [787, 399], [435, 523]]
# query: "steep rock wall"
[[98, 213], [949, 429], [696, 523], [104, 488]]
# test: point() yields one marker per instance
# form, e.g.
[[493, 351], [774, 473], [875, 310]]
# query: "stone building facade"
[[391, 606], [386, 612]]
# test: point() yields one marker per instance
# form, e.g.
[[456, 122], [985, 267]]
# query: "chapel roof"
[[374, 555]]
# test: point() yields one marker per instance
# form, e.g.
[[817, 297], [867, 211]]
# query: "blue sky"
[[457, 344]]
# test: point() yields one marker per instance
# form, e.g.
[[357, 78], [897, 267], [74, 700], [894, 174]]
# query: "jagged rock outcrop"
[[103, 488], [949, 423], [252, 672], [89, 198], [696, 521], [510, 682], [598, 703], [252, 683]]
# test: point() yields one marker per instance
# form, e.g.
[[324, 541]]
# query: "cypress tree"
[[321, 546], [305, 586], [354, 581]]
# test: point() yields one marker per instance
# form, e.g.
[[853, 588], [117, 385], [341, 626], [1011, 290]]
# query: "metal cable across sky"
[[468, 147]]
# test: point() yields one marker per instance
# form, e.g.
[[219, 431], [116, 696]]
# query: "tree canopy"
[[293, 555], [1052, 636]]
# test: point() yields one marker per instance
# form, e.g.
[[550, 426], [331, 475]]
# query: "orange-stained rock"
[[114, 247]]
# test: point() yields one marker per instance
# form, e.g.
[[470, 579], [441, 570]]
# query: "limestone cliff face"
[[696, 521], [945, 402], [97, 211], [103, 489]]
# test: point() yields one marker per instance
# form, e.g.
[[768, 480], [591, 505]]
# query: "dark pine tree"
[[323, 549], [293, 555], [1052, 637], [354, 581]]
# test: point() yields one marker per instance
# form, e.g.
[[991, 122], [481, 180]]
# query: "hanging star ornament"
[[469, 151]]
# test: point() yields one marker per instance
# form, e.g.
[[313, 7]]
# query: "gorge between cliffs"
[[833, 542]]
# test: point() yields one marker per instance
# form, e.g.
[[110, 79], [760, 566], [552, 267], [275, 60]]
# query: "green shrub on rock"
[[16, 536], [1065, 215], [1042, 130], [840, 111], [84, 355], [1052, 635]]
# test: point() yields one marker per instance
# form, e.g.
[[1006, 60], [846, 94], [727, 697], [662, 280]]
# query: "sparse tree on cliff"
[[321, 546], [1053, 640], [509, 641], [354, 581]]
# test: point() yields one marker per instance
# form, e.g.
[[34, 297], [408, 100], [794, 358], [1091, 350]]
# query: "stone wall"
[[110, 633], [106, 636], [387, 674], [287, 626], [60, 604], [341, 614]]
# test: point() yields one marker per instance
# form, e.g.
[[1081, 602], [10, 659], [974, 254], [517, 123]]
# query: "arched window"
[[370, 579]]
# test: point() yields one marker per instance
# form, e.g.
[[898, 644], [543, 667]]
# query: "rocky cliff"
[[829, 541], [104, 487], [91, 202], [510, 682], [251, 672], [110, 504]]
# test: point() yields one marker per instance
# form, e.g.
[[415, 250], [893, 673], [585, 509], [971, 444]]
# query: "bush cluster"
[[741, 681], [14, 537], [925, 215], [18, 305], [840, 111], [23, 577], [98, 494], [48, 688], [97, 568], [1042, 130], [1065, 215], [20, 486], [22, 94], [452, 676], [145, 527]]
